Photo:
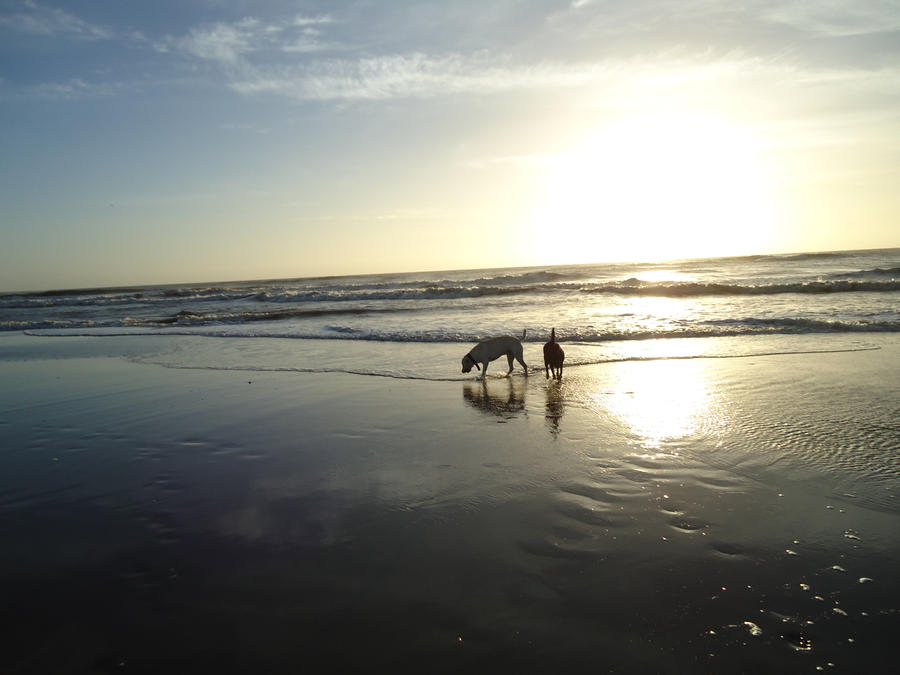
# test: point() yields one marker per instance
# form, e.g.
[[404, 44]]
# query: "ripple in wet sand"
[[720, 484], [671, 507], [595, 492], [552, 549], [688, 524], [726, 548], [636, 475], [586, 514]]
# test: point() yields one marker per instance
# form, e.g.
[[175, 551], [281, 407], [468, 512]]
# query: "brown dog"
[[553, 357]]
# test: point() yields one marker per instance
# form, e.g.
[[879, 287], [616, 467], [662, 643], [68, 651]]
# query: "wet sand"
[[700, 515]]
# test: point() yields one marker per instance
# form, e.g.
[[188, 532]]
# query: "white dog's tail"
[[523, 334]]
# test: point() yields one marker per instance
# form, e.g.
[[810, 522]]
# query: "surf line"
[[398, 376], [270, 369], [627, 359]]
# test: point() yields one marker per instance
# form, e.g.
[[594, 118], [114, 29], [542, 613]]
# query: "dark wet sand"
[[708, 515]]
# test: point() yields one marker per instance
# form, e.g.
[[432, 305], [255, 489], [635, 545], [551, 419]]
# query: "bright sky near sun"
[[211, 140]]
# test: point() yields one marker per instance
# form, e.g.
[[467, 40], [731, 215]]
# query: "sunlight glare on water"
[[652, 313], [662, 401], [655, 276]]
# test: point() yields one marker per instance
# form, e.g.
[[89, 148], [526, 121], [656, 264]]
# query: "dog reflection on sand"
[[504, 398], [554, 407]]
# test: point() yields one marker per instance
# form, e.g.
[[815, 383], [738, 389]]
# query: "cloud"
[[51, 21], [71, 89], [303, 21], [308, 41], [229, 43], [220, 42], [835, 18], [660, 44], [414, 75]]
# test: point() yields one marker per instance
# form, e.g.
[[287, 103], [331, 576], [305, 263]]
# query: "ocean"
[[601, 312]]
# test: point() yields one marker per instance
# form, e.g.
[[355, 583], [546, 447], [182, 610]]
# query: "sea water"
[[601, 313]]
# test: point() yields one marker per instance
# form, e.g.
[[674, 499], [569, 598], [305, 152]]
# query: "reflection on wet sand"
[[504, 398], [663, 400], [555, 407]]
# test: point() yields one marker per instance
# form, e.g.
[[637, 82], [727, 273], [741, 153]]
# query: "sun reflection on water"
[[658, 275], [651, 315], [663, 400]]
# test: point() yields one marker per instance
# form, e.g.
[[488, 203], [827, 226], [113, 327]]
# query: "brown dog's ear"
[[476, 364]]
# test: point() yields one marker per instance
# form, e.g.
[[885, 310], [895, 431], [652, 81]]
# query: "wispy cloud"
[[287, 58], [836, 18], [51, 21], [304, 21], [228, 43], [415, 75], [319, 58], [72, 89], [220, 42]]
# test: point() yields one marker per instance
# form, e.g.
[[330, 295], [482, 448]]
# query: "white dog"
[[493, 348]]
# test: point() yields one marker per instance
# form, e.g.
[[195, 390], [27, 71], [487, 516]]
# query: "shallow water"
[[692, 514]]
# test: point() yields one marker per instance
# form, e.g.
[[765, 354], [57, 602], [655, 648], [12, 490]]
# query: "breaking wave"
[[634, 286], [878, 280], [332, 331]]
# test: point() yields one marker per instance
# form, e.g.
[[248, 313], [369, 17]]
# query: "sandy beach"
[[695, 515]]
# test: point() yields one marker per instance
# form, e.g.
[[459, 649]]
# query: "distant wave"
[[630, 286], [790, 325], [188, 318], [143, 298], [876, 280], [706, 329], [309, 291], [637, 287], [80, 291], [807, 256], [878, 272]]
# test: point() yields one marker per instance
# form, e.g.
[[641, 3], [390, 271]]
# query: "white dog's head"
[[468, 362]]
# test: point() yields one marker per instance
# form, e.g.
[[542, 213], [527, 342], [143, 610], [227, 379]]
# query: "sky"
[[184, 141]]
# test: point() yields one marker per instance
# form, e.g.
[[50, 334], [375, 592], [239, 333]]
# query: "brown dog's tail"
[[552, 335], [524, 330]]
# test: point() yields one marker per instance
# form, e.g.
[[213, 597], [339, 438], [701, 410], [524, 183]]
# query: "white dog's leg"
[[521, 362]]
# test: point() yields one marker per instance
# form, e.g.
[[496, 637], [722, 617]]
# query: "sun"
[[660, 186]]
